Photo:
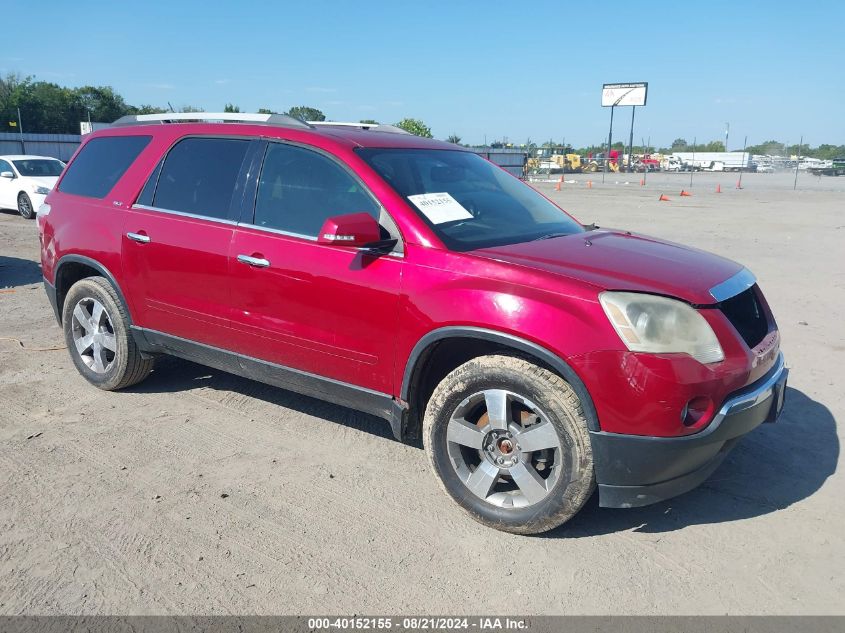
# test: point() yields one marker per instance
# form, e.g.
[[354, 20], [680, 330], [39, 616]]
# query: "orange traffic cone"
[[663, 198], [739, 184], [589, 184], [718, 188], [685, 194], [559, 183], [642, 182]]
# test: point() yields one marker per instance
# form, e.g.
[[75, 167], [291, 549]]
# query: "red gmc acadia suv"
[[414, 280]]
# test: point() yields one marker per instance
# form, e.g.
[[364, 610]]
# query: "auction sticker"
[[440, 207]]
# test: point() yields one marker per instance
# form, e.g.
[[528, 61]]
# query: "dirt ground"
[[202, 493]]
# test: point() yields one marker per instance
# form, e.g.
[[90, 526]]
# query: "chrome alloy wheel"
[[504, 448], [93, 335]]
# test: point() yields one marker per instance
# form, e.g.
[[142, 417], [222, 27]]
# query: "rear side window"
[[199, 176], [100, 164]]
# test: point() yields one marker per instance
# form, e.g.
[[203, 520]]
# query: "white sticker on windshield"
[[440, 207]]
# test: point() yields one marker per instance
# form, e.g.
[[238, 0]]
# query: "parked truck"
[[835, 167], [672, 163], [645, 162], [716, 161]]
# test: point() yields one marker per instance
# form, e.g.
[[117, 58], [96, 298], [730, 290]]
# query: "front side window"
[[300, 189], [5, 167], [468, 202], [39, 167], [100, 164], [199, 176]]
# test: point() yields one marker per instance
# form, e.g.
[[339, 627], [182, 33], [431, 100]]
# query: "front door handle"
[[255, 262], [138, 237]]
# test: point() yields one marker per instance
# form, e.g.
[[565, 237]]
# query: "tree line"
[[824, 151], [47, 107]]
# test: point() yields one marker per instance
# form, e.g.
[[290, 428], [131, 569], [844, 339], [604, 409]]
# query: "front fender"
[[506, 340], [449, 295]]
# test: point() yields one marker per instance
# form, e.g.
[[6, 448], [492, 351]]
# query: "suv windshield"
[[467, 201], [35, 167]]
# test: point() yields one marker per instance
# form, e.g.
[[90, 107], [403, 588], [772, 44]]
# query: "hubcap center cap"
[[501, 449], [505, 447]]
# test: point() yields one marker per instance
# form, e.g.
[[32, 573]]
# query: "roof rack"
[[211, 117], [376, 127]]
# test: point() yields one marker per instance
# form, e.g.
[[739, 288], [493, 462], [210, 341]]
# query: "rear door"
[[324, 309], [177, 236]]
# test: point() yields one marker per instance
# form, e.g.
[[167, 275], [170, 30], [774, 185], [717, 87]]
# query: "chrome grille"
[[746, 314]]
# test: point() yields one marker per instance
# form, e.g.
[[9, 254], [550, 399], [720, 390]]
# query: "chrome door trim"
[[183, 214]]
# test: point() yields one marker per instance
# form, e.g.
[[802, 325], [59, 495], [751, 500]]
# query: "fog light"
[[696, 411]]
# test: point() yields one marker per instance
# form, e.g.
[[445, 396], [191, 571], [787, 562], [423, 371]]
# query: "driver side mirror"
[[7, 174], [358, 230]]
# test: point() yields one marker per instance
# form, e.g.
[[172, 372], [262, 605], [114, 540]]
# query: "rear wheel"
[[97, 333], [508, 441], [25, 206]]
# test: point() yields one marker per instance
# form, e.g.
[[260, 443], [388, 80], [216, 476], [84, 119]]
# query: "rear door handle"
[[138, 237], [255, 262]]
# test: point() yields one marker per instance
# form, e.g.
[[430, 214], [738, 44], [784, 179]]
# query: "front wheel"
[[508, 441], [25, 206]]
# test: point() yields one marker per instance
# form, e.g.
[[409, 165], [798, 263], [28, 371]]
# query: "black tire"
[[575, 481], [25, 206], [127, 366]]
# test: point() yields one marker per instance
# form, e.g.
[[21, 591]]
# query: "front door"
[[177, 237], [323, 309], [8, 190]]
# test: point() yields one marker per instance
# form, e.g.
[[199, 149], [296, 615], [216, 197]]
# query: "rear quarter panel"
[[93, 227]]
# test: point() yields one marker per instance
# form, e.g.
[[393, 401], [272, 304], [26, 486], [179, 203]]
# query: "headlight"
[[649, 323], [42, 191]]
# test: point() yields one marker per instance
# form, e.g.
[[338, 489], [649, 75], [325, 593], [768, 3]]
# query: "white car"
[[26, 180]]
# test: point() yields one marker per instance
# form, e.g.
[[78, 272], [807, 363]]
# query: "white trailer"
[[716, 161]]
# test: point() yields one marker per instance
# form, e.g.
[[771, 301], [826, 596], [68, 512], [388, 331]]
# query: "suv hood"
[[613, 260]]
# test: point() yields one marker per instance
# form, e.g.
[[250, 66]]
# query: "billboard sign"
[[633, 94]]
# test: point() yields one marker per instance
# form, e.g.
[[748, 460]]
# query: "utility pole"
[[727, 130], [631, 138], [797, 162], [692, 167], [20, 129], [609, 141], [742, 163]]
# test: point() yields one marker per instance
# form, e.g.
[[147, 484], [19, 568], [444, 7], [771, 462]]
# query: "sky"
[[484, 70]]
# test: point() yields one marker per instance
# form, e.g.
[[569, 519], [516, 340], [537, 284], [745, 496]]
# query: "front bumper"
[[635, 470], [37, 200]]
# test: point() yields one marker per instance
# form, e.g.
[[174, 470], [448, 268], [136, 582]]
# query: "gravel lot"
[[199, 492]]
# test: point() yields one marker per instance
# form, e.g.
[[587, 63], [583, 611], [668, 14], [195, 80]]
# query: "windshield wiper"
[[549, 236]]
